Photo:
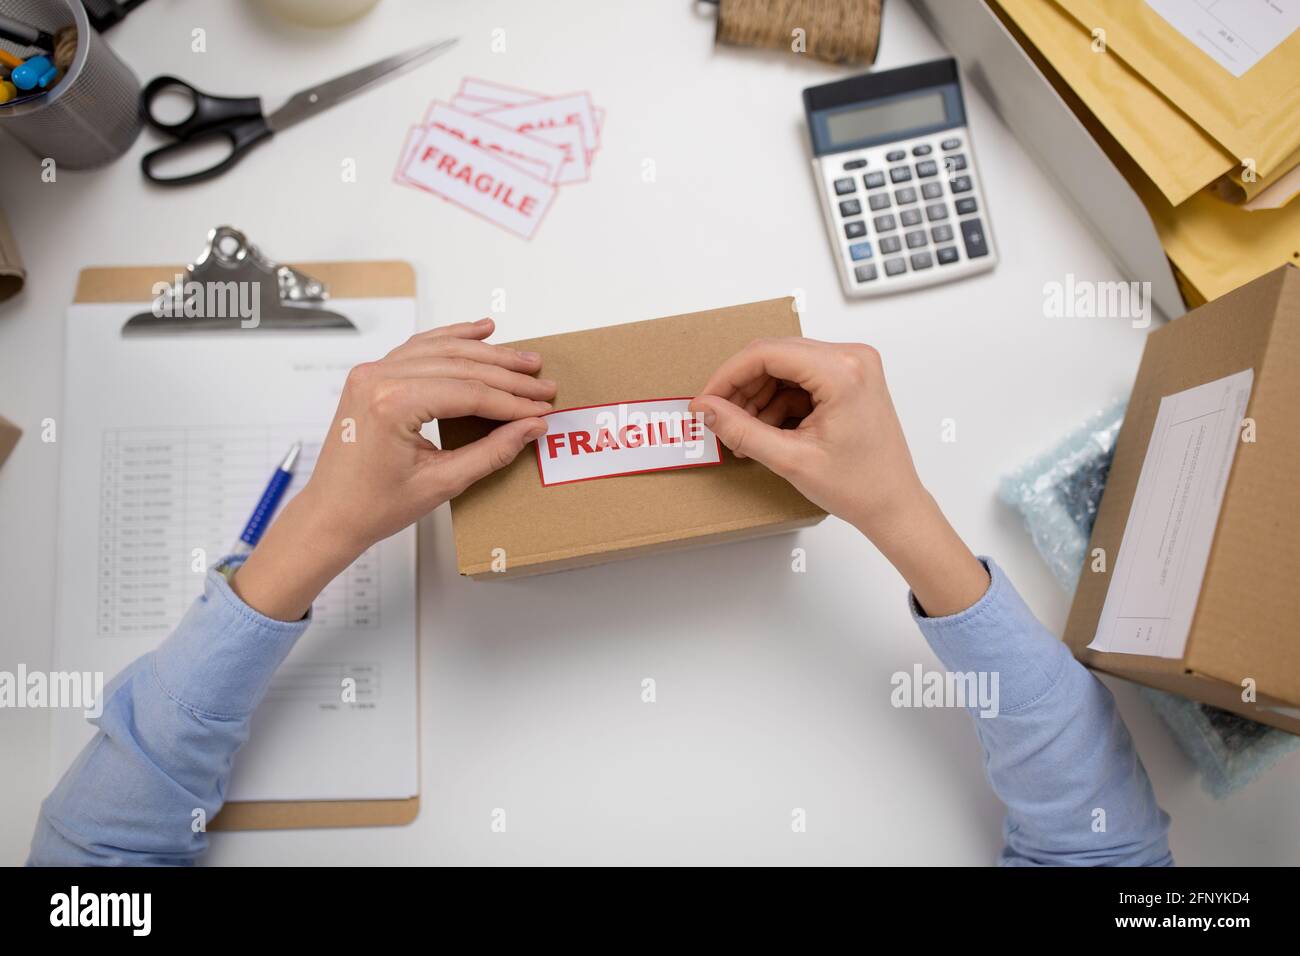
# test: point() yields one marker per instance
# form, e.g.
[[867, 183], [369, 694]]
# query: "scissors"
[[240, 122]]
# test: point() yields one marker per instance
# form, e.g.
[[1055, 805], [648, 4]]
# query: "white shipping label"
[[625, 438], [1166, 543], [1236, 34]]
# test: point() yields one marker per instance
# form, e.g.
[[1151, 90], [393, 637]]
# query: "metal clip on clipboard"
[[233, 285]]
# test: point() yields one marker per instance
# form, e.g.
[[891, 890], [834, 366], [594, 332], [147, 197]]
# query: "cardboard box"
[[1247, 617], [9, 435], [555, 527]]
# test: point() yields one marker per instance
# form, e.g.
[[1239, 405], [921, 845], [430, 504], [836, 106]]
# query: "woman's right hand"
[[847, 454]]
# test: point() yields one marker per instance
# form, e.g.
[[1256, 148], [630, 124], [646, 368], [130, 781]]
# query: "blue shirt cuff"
[[997, 634], [220, 659]]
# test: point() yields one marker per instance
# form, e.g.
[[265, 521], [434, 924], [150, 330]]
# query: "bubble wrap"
[[1058, 494], [1228, 750]]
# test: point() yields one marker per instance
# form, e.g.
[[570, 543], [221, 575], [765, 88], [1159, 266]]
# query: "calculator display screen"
[[871, 122]]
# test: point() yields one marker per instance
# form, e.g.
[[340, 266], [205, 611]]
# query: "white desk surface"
[[773, 687]]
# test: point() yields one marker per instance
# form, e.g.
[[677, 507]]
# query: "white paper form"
[[1166, 543], [1236, 34], [167, 442]]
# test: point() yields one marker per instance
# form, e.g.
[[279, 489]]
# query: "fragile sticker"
[[479, 180], [624, 438], [536, 156], [575, 109]]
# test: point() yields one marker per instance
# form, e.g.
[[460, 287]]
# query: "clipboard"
[[346, 280]]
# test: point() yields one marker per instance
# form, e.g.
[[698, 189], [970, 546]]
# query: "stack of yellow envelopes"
[[1198, 104]]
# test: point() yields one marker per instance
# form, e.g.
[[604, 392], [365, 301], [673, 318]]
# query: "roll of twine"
[[65, 48], [838, 31]]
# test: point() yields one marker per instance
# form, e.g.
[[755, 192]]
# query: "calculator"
[[896, 172]]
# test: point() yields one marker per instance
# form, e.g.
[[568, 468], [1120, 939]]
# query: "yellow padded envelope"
[[1220, 247], [1236, 188], [1252, 116], [1178, 156], [1214, 246]]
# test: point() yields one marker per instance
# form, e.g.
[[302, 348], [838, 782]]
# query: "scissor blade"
[[315, 99]]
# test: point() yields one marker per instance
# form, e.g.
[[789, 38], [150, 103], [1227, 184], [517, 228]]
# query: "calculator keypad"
[[920, 212], [972, 234]]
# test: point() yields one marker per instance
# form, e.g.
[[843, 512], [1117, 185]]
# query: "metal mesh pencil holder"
[[91, 115]]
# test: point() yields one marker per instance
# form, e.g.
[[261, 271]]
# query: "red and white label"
[[535, 156], [624, 438], [574, 109], [479, 180]]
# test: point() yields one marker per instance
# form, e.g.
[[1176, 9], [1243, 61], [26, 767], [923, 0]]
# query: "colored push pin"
[[7, 91], [38, 71]]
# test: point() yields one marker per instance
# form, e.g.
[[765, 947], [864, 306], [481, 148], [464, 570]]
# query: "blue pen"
[[265, 509]]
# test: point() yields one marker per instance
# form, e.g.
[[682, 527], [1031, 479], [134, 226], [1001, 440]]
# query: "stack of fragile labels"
[[1198, 104]]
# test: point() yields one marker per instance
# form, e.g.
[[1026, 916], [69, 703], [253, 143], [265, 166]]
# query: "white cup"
[[319, 13]]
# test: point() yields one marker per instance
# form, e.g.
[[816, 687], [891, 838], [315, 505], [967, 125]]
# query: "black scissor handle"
[[241, 136], [206, 112]]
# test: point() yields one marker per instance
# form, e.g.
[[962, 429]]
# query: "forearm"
[[915, 537], [1058, 753], [298, 556], [156, 771]]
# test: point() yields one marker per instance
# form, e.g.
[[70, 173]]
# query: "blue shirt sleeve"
[[141, 791], [1057, 753]]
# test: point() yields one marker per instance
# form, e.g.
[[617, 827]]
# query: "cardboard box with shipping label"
[[623, 469], [1192, 582]]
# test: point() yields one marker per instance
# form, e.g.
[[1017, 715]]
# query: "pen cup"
[[91, 114]]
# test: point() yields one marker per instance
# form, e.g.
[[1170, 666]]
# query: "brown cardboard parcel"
[[574, 525], [1247, 621]]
